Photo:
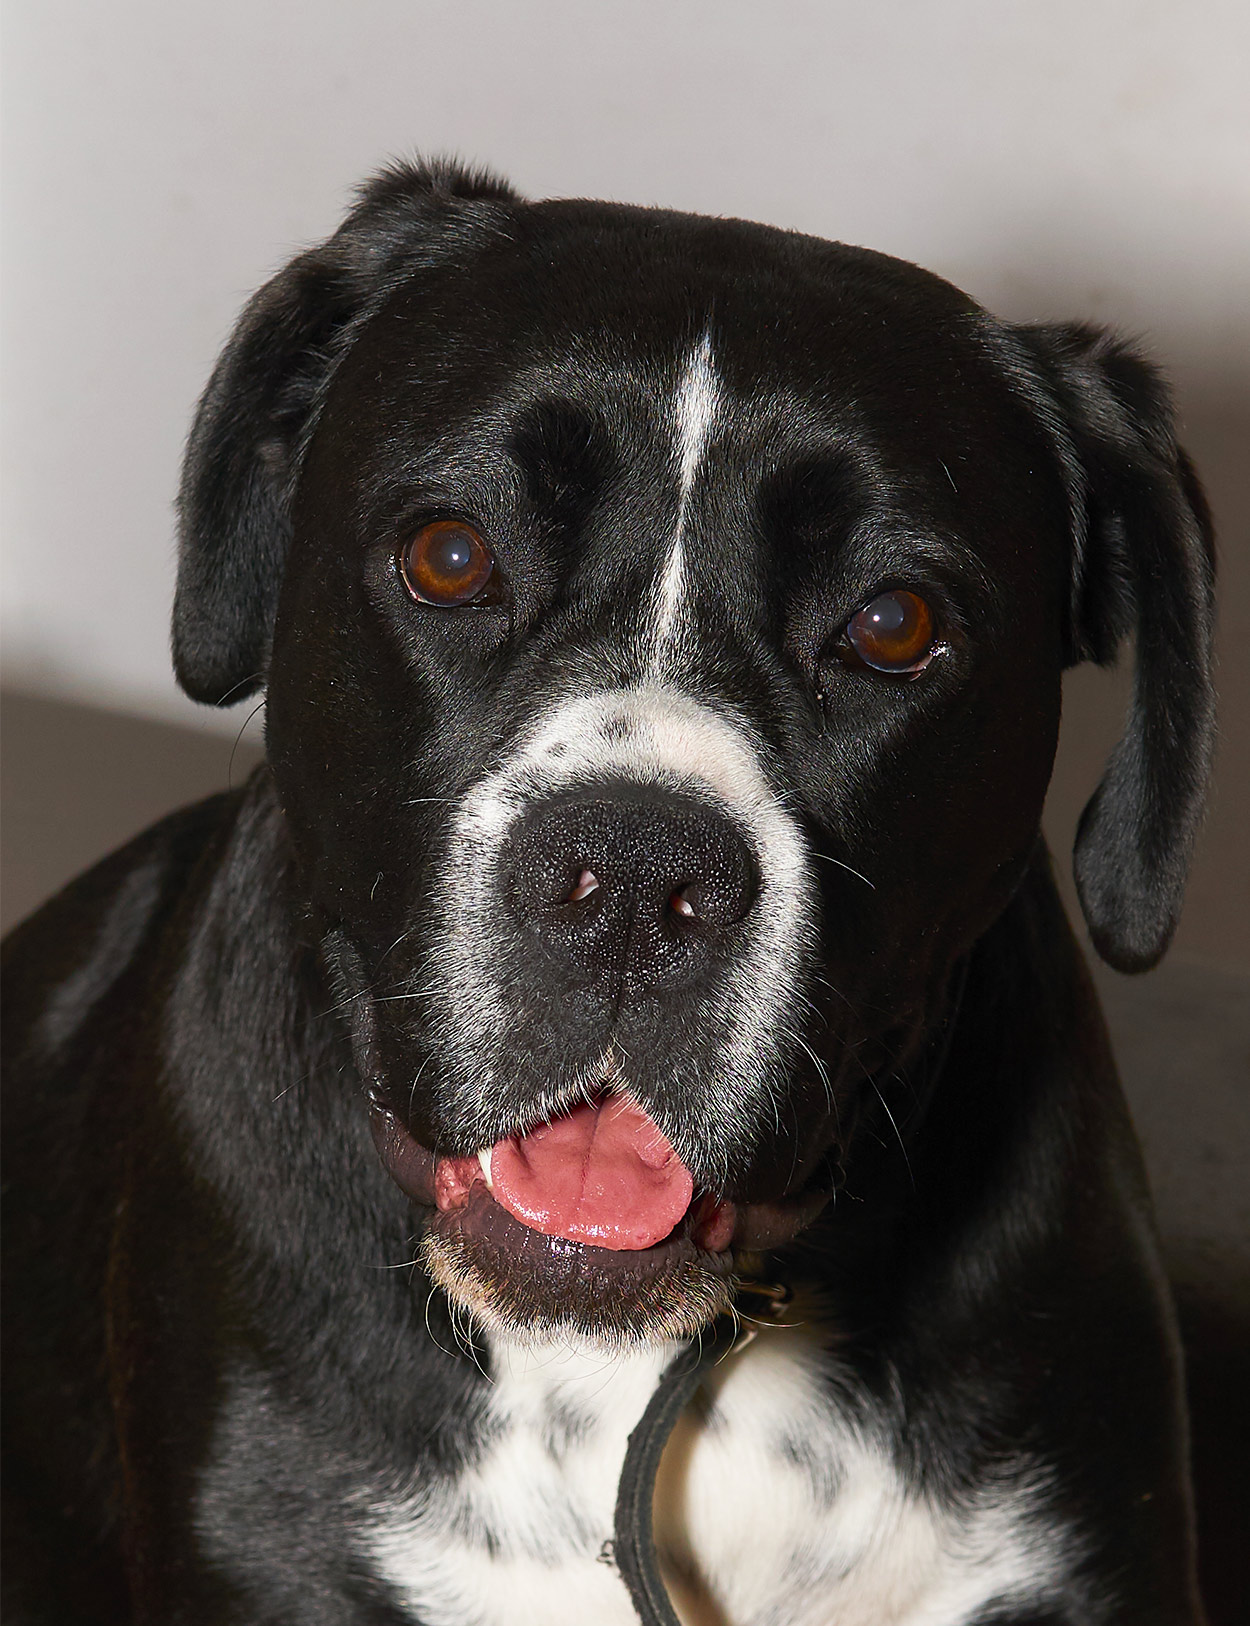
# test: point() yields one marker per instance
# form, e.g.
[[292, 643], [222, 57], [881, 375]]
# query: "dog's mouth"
[[590, 1222], [604, 1174]]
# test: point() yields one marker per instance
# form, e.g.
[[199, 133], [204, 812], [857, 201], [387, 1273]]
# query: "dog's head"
[[662, 622]]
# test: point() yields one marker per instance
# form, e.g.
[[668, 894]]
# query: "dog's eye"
[[894, 632], [446, 563]]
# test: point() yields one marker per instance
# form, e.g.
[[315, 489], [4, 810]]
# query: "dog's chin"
[[527, 1285]]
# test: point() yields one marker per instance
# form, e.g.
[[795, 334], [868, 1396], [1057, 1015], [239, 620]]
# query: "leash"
[[633, 1540]]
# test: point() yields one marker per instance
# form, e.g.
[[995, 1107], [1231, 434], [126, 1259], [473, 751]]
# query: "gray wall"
[[1073, 159]]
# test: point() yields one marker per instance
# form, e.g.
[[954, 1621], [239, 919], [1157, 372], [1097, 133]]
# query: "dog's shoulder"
[[61, 963], [77, 1046]]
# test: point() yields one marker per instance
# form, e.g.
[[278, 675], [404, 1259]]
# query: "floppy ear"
[[1142, 564], [252, 423]]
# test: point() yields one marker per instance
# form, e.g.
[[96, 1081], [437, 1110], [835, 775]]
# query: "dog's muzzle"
[[615, 966]]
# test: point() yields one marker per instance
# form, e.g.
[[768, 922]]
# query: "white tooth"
[[483, 1158]]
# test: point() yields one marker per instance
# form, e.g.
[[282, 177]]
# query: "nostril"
[[586, 883], [723, 894]]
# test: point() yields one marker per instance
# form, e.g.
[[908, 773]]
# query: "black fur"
[[216, 1366], [261, 404], [1143, 565]]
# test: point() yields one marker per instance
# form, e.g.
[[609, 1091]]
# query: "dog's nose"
[[631, 887]]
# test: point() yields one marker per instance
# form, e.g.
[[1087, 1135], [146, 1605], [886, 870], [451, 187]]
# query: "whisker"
[[429, 1297], [412, 1094], [821, 1071], [825, 858], [361, 993], [396, 943], [259, 706], [462, 1331], [295, 1082], [893, 1125]]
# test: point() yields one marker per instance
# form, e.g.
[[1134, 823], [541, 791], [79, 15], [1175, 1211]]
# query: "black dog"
[[662, 622]]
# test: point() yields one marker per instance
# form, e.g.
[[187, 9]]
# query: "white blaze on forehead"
[[694, 412]]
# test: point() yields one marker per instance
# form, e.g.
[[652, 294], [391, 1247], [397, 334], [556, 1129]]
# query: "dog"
[[661, 622]]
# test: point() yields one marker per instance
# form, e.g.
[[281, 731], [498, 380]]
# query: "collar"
[[755, 1303]]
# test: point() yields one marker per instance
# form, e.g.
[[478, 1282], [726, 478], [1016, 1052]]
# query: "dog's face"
[[662, 695]]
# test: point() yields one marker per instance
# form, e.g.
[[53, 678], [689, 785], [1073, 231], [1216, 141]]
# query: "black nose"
[[633, 887]]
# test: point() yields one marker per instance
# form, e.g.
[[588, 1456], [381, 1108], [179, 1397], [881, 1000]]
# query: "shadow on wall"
[[78, 782]]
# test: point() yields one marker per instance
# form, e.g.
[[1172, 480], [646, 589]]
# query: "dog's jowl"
[[641, 920]]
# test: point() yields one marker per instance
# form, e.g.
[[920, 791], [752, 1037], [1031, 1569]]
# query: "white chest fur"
[[769, 1507]]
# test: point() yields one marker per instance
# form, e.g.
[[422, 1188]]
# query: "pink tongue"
[[604, 1174]]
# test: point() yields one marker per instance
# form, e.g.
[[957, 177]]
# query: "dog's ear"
[[251, 426], [1142, 564]]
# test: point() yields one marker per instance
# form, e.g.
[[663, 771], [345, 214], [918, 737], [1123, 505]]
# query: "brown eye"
[[893, 633], [446, 563]]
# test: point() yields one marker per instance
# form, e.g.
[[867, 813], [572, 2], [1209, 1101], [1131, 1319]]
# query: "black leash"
[[634, 1544]]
